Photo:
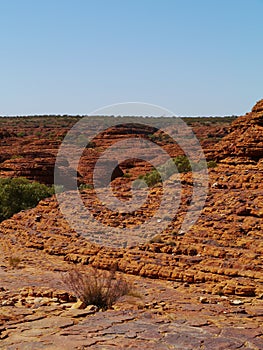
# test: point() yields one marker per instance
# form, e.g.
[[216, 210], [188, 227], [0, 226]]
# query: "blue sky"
[[194, 57]]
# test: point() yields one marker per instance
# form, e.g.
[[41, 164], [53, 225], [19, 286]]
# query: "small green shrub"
[[85, 186], [17, 156], [152, 178], [212, 164], [166, 170], [127, 175], [183, 164], [18, 194], [154, 137]]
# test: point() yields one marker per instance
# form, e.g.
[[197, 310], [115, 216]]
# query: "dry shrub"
[[100, 288]]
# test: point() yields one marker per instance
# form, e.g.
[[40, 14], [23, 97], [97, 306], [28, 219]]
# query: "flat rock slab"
[[131, 330], [54, 322]]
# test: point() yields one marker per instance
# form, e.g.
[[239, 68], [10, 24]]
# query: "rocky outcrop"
[[245, 140]]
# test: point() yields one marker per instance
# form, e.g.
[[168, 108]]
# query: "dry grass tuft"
[[100, 288]]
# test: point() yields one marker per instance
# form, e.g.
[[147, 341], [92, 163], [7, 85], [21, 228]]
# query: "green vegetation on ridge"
[[18, 194], [163, 172]]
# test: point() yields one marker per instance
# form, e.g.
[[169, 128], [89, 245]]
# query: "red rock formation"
[[245, 140], [215, 268], [28, 146]]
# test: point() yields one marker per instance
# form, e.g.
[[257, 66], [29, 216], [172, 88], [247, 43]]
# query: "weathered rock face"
[[37, 167], [28, 146], [245, 140], [258, 107], [221, 251]]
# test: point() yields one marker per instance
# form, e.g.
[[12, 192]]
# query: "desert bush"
[[152, 178], [17, 156], [211, 164], [21, 134], [183, 164], [127, 175], [154, 137], [18, 194], [100, 288], [164, 171], [85, 187]]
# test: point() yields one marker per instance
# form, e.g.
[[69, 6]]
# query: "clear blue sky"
[[194, 57]]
